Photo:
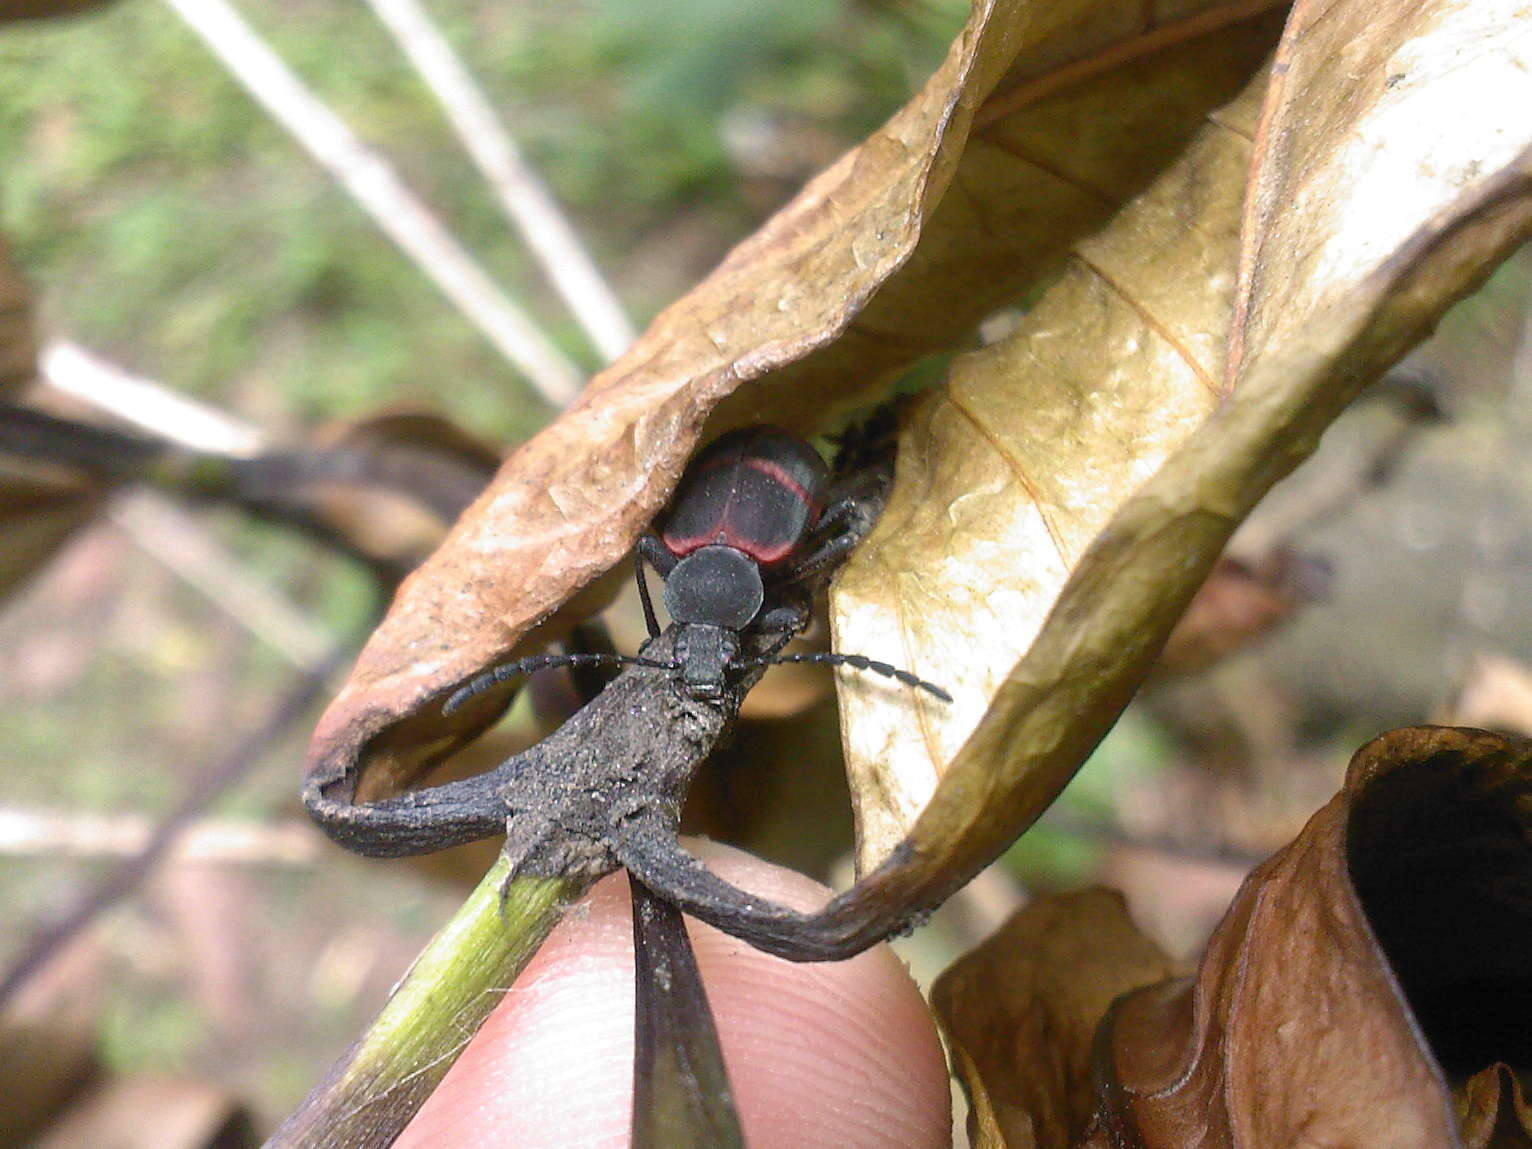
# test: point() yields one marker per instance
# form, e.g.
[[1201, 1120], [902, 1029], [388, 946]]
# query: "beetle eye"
[[716, 585]]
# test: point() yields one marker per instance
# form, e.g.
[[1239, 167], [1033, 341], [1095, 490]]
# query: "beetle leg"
[[789, 618], [840, 512], [650, 620], [655, 553], [830, 552], [648, 848], [844, 524]]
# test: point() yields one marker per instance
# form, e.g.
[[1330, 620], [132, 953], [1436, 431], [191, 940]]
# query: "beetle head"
[[705, 653]]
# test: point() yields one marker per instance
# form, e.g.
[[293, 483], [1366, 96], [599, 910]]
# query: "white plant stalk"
[[377, 188], [528, 203], [149, 405]]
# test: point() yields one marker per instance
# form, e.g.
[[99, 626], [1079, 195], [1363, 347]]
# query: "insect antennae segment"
[[859, 662], [526, 666]]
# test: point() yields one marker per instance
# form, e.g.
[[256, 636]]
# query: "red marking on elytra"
[[777, 473], [723, 531], [725, 535], [763, 555]]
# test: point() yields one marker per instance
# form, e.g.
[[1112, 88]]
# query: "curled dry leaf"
[[1021, 1012], [1007, 476], [1040, 123], [1368, 983], [1064, 497], [1363, 974], [41, 506], [1492, 1111]]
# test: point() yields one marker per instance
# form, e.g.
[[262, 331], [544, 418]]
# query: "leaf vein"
[[1152, 323], [1016, 152], [1014, 464]]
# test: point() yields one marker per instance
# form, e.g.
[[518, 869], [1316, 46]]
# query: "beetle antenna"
[[860, 662], [526, 666]]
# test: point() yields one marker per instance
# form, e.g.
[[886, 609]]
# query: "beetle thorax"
[[717, 585]]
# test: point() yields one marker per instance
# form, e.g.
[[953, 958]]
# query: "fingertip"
[[838, 1054]]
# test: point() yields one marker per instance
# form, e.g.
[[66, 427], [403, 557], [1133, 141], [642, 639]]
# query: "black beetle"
[[751, 521]]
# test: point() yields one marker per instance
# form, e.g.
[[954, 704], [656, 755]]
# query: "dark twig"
[[681, 1094], [291, 488]]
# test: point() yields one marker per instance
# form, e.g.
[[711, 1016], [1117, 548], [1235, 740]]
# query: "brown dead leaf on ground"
[[1241, 602], [1492, 1111], [1063, 497], [1020, 1013], [1041, 122], [48, 1041], [1368, 983], [1368, 986], [40, 505], [153, 1112], [385, 487], [18, 341]]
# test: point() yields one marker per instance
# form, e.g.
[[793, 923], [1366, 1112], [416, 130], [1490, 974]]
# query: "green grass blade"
[[375, 1088]]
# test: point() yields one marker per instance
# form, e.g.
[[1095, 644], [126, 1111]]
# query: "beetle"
[[754, 517]]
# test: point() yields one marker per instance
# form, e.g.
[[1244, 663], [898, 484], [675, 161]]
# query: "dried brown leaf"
[[18, 341], [1493, 1112], [387, 487], [1020, 1013], [1008, 476], [894, 251], [1022, 494], [1367, 986], [1100, 97], [1376, 958], [40, 505], [48, 1041], [153, 1112]]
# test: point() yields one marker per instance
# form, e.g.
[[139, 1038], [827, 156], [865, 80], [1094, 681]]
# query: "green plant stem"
[[371, 1093]]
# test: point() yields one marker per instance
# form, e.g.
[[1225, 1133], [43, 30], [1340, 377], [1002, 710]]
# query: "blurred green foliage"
[[170, 224]]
